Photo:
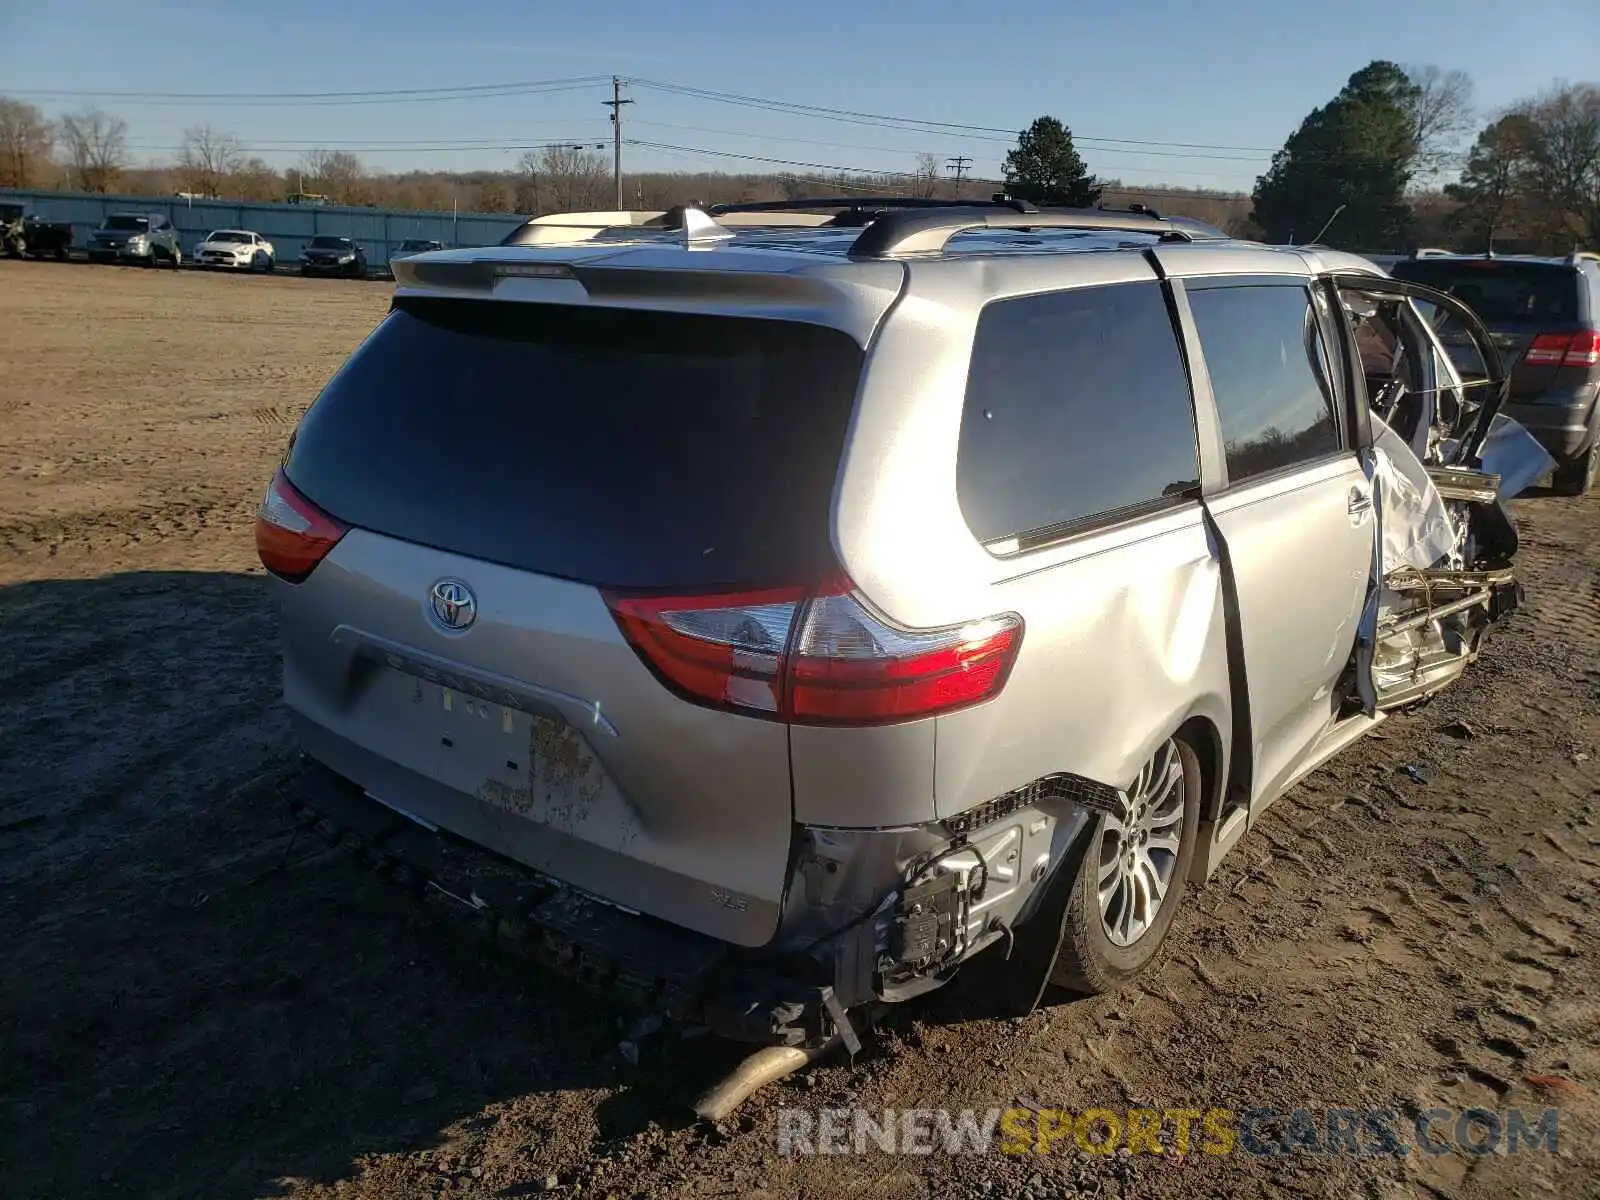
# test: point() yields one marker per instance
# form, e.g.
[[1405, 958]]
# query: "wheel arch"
[[1203, 736]]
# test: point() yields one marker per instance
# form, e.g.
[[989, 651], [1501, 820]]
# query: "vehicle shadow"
[[201, 999]]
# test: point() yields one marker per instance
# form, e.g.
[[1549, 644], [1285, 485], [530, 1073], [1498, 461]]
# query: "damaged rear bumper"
[[874, 915]]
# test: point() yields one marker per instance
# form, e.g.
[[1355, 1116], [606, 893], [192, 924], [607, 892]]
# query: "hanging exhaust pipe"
[[767, 1065]]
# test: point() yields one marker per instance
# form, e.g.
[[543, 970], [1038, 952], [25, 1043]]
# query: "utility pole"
[[615, 105], [959, 165]]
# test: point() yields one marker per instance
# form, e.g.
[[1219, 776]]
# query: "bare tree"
[[208, 159], [97, 148], [561, 179], [311, 168], [338, 174], [528, 193], [26, 140], [1441, 115], [1565, 159], [346, 176], [253, 179], [1493, 193], [493, 197], [926, 181]]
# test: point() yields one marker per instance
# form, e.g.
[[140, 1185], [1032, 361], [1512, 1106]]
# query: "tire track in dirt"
[[120, 528]]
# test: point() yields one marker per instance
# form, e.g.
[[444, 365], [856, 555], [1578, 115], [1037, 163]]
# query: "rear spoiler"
[[565, 229]]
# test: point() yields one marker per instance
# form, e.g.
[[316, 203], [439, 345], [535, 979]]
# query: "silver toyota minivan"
[[806, 597]]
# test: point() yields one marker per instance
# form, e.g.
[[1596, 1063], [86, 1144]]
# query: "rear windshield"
[[1500, 292], [330, 243], [630, 449], [121, 222]]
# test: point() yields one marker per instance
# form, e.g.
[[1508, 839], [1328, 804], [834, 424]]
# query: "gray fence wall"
[[287, 226]]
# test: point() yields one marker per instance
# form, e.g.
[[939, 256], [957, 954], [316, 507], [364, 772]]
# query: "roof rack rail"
[[928, 230]]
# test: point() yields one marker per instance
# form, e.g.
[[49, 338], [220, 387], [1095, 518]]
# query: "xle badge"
[[731, 900]]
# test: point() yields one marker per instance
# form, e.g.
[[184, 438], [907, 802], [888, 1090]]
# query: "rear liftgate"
[[816, 655]]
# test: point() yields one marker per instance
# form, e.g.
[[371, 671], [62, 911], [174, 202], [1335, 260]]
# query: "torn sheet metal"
[[1515, 455], [1417, 530]]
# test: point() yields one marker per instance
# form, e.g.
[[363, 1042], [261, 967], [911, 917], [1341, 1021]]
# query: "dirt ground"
[[194, 1002]]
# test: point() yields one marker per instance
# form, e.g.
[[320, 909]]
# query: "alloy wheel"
[[1139, 848]]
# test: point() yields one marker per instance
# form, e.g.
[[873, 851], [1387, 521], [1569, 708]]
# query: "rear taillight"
[[292, 534], [815, 658], [848, 667], [1581, 349], [726, 651]]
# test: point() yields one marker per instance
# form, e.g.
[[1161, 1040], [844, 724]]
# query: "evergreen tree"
[[1045, 168], [1356, 151]]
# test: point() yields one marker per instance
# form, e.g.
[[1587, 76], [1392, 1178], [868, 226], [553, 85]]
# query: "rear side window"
[[1269, 374], [629, 449], [1500, 292], [1078, 406]]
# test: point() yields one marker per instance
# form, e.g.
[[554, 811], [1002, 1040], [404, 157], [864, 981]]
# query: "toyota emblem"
[[454, 606]]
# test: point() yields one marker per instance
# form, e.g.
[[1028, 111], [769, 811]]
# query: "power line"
[[925, 124], [801, 141], [1115, 185], [767, 137], [538, 86], [1153, 147], [379, 145], [781, 162], [959, 165], [586, 142], [475, 145], [981, 133], [318, 99], [999, 183]]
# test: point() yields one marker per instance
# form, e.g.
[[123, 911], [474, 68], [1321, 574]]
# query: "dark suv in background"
[[1544, 314]]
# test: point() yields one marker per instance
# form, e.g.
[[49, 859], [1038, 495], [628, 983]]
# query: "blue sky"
[[1236, 75]]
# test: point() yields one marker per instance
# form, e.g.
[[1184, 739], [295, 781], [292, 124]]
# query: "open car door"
[[1442, 565]]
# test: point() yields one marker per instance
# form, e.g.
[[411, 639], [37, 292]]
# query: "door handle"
[[1359, 504]]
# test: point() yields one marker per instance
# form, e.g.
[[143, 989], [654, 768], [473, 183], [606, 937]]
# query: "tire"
[[1090, 960], [1578, 476]]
